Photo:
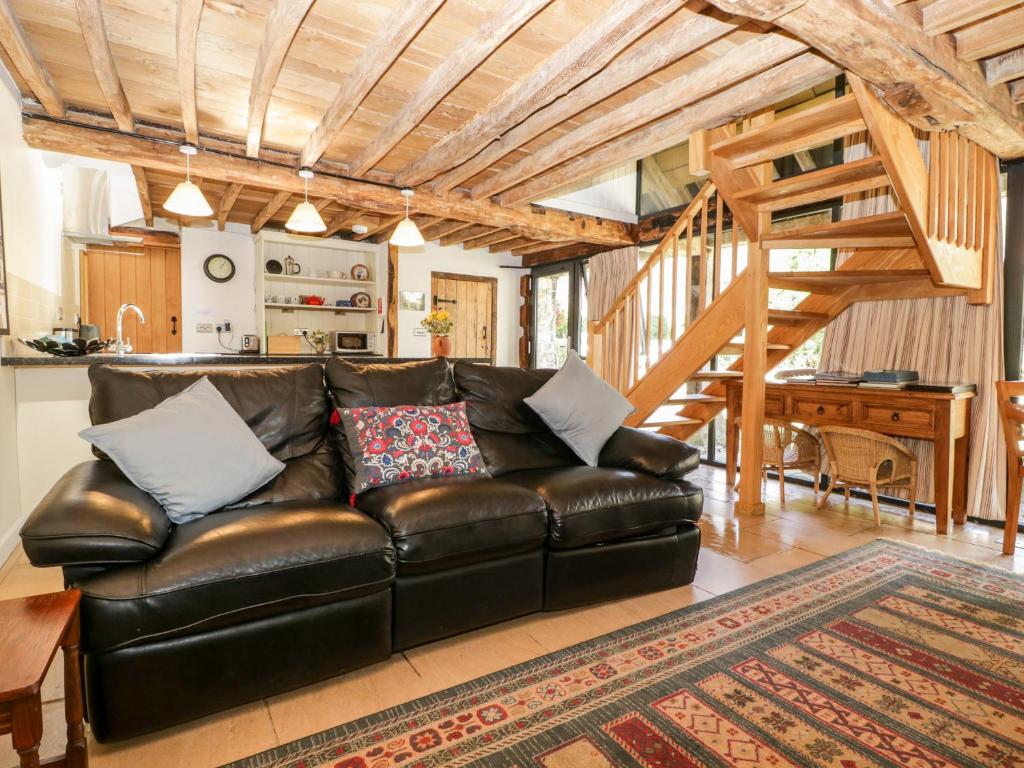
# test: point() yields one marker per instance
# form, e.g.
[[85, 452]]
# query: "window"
[[559, 312]]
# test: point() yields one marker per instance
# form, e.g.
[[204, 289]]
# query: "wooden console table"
[[940, 417]]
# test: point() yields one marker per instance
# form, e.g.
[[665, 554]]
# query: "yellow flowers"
[[439, 322]]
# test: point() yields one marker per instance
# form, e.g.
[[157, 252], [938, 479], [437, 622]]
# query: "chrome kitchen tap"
[[122, 348]]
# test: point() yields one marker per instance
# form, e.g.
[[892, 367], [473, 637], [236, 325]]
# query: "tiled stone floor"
[[737, 550]]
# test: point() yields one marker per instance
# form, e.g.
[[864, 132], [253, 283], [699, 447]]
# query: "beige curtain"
[[610, 273], [944, 339]]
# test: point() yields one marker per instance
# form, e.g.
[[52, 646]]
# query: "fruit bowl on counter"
[[63, 348]]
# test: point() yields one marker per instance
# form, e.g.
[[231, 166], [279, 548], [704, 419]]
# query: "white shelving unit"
[[320, 255]]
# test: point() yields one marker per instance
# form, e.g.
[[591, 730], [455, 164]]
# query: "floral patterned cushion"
[[410, 442]]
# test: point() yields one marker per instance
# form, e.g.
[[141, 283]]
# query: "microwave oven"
[[349, 341]]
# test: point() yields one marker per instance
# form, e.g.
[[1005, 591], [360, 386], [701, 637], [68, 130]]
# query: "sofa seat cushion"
[[236, 566], [592, 505], [438, 524]]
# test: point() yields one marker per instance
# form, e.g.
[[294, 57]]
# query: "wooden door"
[[148, 276], [472, 302]]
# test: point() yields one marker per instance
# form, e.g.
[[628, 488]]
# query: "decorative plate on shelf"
[[361, 300], [360, 272], [73, 348], [274, 267]]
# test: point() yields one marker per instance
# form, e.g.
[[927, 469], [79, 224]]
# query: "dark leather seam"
[[481, 550], [656, 524], [398, 536], [238, 578], [63, 536], [588, 510]]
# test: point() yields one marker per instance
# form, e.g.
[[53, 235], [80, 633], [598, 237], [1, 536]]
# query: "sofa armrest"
[[94, 515], [650, 453]]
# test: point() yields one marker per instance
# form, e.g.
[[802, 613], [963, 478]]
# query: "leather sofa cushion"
[[438, 524], [592, 505], [236, 566], [510, 435], [286, 407], [426, 382]]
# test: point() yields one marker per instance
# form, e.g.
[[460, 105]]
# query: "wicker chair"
[[865, 459], [789, 447], [1012, 416]]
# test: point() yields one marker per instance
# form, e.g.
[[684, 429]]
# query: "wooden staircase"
[[697, 312]]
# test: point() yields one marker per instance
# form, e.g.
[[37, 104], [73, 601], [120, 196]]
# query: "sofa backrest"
[[510, 435], [420, 382]]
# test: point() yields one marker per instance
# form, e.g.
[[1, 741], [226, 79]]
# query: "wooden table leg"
[[945, 455], [77, 755], [732, 434], [961, 451], [27, 730]]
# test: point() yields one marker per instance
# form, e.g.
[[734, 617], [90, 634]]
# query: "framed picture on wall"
[[5, 316]]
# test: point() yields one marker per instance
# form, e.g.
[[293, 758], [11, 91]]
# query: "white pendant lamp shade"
[[406, 233], [187, 199], [305, 217]]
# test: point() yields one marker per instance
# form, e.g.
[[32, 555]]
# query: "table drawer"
[[774, 405], [825, 411], [887, 416]]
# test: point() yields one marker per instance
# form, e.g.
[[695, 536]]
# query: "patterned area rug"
[[886, 655]]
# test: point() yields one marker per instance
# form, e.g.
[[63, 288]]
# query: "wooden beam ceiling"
[[464, 234], [887, 46], [946, 15], [94, 30], [583, 57], [283, 23], [670, 43], [992, 36], [759, 92], [23, 56], [498, 236], [187, 40], [144, 197], [384, 223], [343, 220], [378, 56], [227, 202], [272, 207], [1004, 68]]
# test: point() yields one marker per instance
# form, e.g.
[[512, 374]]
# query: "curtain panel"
[[610, 273]]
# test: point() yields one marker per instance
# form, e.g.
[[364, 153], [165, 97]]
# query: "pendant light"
[[305, 217], [187, 199], [406, 233]]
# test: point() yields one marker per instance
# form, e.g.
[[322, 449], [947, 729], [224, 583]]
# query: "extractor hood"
[[87, 207]]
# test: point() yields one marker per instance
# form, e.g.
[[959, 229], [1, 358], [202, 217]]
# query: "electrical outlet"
[[204, 328], [227, 326], [420, 332], [300, 331]]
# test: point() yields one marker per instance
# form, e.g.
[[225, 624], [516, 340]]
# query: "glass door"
[[552, 323]]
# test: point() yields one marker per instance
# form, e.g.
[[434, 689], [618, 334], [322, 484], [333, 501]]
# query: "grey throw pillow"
[[581, 408], [192, 453]]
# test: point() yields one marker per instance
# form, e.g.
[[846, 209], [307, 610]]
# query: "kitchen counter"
[[194, 360]]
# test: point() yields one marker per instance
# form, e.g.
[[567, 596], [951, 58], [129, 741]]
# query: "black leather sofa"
[[293, 585]]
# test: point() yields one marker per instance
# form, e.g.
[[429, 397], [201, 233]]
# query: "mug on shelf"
[[336, 274]]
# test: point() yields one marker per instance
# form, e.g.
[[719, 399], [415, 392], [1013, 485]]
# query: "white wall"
[[204, 301], [612, 195], [414, 268]]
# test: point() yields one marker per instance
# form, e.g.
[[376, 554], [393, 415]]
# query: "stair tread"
[[696, 399], [736, 348], [716, 375], [844, 277], [793, 316], [887, 230], [803, 130], [816, 186]]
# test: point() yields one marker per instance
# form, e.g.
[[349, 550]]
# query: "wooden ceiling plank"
[[581, 58], [282, 25], [87, 141], [94, 30], [472, 52], [886, 46], [142, 184], [987, 38], [741, 63], [508, 245], [1004, 68], [444, 228], [273, 206], [19, 48], [466, 233], [946, 15], [343, 220], [227, 202], [572, 251], [187, 40], [667, 44], [759, 92], [498, 236], [526, 250], [384, 223], [378, 56], [1017, 92]]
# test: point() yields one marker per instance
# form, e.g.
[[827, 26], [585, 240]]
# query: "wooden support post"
[[755, 367], [392, 316]]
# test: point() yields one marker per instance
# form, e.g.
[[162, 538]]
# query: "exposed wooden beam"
[[227, 202], [384, 235], [1017, 92], [155, 237], [507, 246], [44, 133], [987, 38], [142, 184], [90, 16], [564, 253], [444, 228], [667, 44], [742, 62], [380, 226], [283, 23], [273, 206], [187, 39], [343, 220], [579, 59], [19, 48], [886, 46], [759, 92], [464, 234], [1004, 68], [322, 204], [946, 15], [459, 65], [380, 53], [498, 236], [526, 250]]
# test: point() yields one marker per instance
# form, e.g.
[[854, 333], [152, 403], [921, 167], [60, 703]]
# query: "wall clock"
[[219, 268]]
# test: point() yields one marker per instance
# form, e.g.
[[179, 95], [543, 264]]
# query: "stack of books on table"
[[888, 379], [837, 379]]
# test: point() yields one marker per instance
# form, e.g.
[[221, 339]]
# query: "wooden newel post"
[[755, 364]]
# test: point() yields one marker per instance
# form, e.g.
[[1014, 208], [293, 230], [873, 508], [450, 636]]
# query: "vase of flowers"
[[319, 338], [440, 324]]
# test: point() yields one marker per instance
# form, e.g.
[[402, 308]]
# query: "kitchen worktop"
[[195, 359]]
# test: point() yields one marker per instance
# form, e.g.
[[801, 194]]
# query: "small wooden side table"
[[31, 631]]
